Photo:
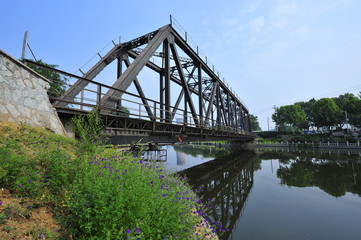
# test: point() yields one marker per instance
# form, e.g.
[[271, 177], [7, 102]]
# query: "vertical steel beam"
[[119, 66], [119, 73], [229, 110], [161, 97], [200, 95], [212, 116], [243, 122], [235, 115], [218, 106], [249, 122], [185, 113], [223, 111]]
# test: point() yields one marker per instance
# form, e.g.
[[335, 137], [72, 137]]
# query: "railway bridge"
[[162, 91]]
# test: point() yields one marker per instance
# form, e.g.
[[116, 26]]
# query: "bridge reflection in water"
[[227, 181]]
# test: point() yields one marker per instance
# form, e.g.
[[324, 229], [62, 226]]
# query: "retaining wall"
[[24, 98]]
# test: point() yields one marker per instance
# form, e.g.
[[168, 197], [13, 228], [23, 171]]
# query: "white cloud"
[[280, 22], [286, 9], [256, 24]]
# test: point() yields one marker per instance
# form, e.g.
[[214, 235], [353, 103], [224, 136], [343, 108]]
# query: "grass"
[[96, 193]]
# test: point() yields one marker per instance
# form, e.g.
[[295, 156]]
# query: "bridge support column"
[[200, 95], [119, 73]]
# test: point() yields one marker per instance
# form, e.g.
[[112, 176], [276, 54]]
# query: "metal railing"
[[91, 97]]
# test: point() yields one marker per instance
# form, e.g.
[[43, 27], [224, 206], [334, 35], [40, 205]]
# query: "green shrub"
[[124, 197], [102, 194], [89, 129]]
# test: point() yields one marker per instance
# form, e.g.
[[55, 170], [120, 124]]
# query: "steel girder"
[[197, 80]]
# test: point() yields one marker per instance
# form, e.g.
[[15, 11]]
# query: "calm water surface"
[[276, 195]]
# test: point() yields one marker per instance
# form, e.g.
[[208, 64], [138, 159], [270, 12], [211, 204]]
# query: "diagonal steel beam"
[[167, 74], [223, 111], [181, 94], [184, 83], [137, 65], [141, 94], [79, 85]]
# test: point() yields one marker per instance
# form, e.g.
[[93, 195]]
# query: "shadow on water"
[[230, 177], [228, 180]]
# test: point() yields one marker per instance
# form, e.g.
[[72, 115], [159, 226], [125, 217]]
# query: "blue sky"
[[272, 52]]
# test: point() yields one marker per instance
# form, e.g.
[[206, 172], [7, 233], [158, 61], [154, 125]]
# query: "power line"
[[32, 52]]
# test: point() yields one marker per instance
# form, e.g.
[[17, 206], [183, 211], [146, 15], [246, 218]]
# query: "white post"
[[25, 44]]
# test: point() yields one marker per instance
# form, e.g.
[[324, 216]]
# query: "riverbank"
[[89, 192], [328, 145]]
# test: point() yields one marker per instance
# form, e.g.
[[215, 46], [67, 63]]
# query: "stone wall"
[[23, 96]]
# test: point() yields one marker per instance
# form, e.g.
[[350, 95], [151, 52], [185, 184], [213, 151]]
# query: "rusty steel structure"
[[208, 108]]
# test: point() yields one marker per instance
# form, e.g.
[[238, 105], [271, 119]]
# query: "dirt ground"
[[20, 220]]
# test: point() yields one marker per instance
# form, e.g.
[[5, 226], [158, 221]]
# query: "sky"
[[271, 52]]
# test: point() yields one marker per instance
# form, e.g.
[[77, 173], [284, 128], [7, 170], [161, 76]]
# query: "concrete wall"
[[23, 96]]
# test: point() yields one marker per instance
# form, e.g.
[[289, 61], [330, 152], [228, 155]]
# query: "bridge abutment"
[[24, 98]]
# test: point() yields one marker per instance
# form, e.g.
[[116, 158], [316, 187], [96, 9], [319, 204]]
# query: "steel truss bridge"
[[181, 99], [228, 183]]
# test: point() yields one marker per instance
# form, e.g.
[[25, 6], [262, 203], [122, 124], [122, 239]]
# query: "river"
[[275, 194]]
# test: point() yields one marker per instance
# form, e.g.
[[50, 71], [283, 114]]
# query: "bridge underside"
[[126, 130]]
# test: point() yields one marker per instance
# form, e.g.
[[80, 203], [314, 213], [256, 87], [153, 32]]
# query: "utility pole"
[[274, 108], [25, 44]]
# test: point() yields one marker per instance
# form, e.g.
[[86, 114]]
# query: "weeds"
[[89, 130], [101, 194]]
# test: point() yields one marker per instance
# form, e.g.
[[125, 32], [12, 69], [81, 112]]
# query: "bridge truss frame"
[[219, 112]]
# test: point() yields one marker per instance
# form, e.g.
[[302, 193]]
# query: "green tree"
[[291, 115], [58, 82], [254, 123], [351, 106], [326, 113], [307, 108]]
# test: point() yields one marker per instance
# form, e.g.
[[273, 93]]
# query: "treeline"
[[323, 113]]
